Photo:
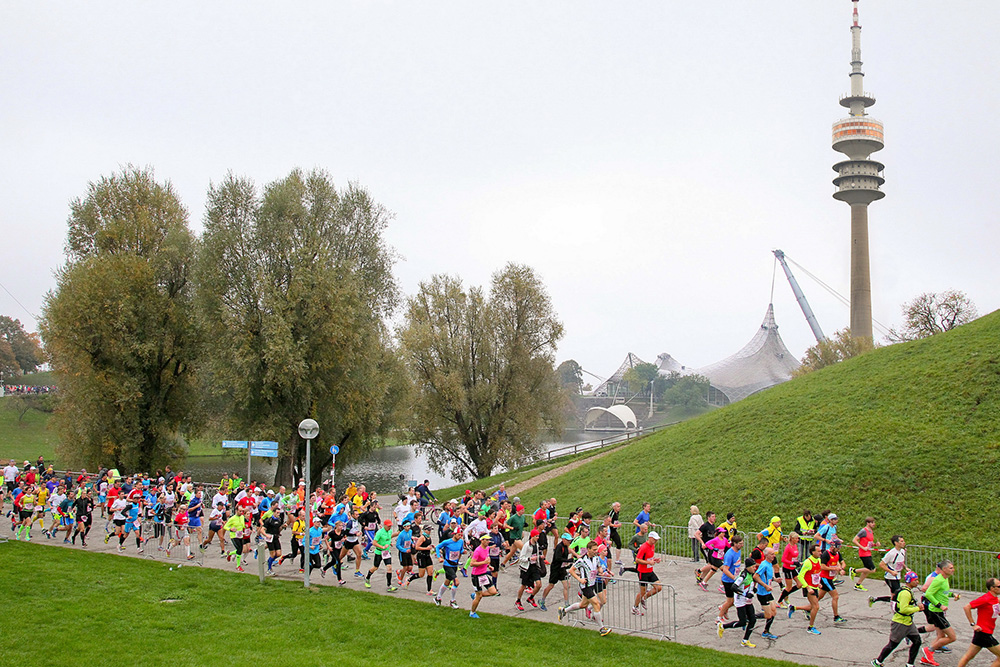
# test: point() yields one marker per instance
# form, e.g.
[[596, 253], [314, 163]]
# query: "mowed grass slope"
[[92, 609], [908, 433]]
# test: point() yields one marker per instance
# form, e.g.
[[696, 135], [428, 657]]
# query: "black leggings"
[[314, 562], [748, 619], [334, 563]]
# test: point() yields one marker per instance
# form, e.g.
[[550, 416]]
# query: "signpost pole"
[[308, 429]]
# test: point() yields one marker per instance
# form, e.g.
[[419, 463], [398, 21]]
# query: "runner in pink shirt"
[[480, 572]]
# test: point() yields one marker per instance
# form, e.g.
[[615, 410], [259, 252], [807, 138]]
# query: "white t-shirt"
[[400, 511], [895, 560], [9, 473], [117, 508], [219, 498], [56, 499], [169, 500]]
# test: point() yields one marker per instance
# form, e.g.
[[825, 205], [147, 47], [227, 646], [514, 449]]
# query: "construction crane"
[[800, 297]]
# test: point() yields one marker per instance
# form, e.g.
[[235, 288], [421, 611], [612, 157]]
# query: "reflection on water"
[[380, 470]]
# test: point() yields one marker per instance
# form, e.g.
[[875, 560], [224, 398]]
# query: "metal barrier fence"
[[657, 619], [972, 567]]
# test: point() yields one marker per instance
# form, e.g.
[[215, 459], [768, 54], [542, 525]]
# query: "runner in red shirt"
[[865, 542], [987, 608], [645, 558]]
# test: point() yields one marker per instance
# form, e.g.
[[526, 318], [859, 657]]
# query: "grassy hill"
[[908, 433]]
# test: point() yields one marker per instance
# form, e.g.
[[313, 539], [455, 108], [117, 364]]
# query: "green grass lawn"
[[908, 433], [27, 439], [77, 608]]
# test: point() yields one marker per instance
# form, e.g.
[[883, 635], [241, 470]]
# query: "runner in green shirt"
[[936, 601], [383, 554], [515, 532]]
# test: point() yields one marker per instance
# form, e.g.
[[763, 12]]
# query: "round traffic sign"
[[334, 450]]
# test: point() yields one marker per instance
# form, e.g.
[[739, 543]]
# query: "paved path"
[[854, 643], [541, 478]]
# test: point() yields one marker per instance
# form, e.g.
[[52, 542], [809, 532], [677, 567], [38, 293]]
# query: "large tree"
[[482, 370], [118, 327], [294, 286], [25, 347], [571, 376], [933, 313]]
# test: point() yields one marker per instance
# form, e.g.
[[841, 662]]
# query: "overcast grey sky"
[[643, 157]]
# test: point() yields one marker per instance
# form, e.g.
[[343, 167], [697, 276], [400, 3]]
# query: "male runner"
[[893, 563], [645, 559], [936, 601], [809, 580], [905, 605], [987, 608], [531, 578], [480, 573], [382, 544], [585, 570], [865, 541]]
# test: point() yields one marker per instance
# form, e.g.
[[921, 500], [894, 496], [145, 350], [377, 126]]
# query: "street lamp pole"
[[308, 429]]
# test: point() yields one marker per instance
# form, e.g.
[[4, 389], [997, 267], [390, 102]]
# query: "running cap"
[[655, 535], [316, 519], [270, 492], [387, 523], [910, 577], [775, 519], [566, 536], [485, 537], [454, 521], [534, 532], [832, 516], [519, 508]]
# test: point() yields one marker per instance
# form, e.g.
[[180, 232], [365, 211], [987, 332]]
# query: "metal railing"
[[658, 618], [589, 445], [972, 567]]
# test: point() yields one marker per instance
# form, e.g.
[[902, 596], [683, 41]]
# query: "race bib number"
[[815, 579]]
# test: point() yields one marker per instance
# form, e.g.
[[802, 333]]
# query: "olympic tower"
[[858, 180]]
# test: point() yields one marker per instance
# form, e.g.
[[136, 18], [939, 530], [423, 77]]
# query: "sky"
[[644, 158]]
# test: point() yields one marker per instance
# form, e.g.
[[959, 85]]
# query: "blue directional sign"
[[234, 444], [334, 450], [264, 448]]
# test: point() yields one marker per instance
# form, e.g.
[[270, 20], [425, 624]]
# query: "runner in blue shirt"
[[827, 533], [450, 554], [404, 544], [764, 576], [315, 542], [643, 516], [730, 570]]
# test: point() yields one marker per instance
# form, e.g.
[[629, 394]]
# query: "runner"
[[893, 563], [216, 520], [336, 538], [352, 544], [235, 526], [790, 567], [936, 605], [381, 543], [449, 553], [827, 532], [614, 527], [642, 517], [864, 541], [481, 579], [904, 607], [743, 601], [763, 577], [315, 544], [728, 527], [271, 523], [514, 525], [84, 506], [987, 608], [531, 578], [831, 564], [645, 559], [586, 570], [714, 550], [730, 570], [559, 568], [809, 580], [772, 533]]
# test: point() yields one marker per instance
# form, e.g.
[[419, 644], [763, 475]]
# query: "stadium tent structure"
[[618, 413], [762, 363], [611, 386]]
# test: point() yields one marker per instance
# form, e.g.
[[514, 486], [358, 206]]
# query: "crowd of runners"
[[482, 537]]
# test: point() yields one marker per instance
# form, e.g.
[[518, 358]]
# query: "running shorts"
[[714, 561], [380, 558], [274, 544], [119, 522], [495, 564], [827, 584], [937, 619], [765, 599], [789, 573], [898, 632], [893, 585], [194, 521], [730, 588], [85, 519], [600, 585], [482, 581], [983, 640], [530, 576], [215, 526], [423, 559], [237, 544], [616, 539], [66, 521], [557, 574], [868, 562], [450, 572], [647, 578], [24, 514], [405, 559], [588, 592]]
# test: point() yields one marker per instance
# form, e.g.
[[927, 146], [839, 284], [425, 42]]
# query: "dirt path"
[[532, 482]]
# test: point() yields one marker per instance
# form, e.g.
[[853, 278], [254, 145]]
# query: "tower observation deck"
[[858, 180]]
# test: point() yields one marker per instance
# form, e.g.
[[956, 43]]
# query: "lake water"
[[380, 471]]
